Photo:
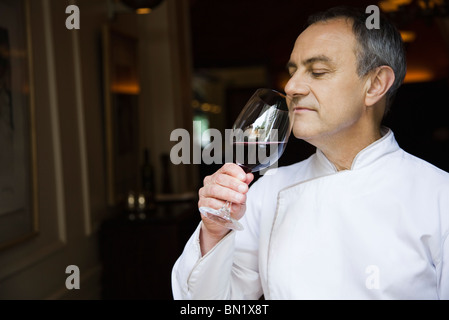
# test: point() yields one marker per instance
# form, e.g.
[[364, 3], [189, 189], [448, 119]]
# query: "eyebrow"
[[312, 60]]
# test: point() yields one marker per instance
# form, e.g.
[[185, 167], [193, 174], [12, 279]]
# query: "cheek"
[[305, 125], [341, 98], [339, 102]]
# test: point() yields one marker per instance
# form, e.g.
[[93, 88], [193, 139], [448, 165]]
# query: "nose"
[[296, 87]]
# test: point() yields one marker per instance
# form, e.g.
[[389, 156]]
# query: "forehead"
[[333, 39]]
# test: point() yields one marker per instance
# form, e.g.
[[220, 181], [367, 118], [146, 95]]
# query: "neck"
[[342, 148]]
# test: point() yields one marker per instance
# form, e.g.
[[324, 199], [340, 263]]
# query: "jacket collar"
[[379, 148]]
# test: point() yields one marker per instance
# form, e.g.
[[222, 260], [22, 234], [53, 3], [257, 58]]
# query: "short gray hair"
[[376, 47]]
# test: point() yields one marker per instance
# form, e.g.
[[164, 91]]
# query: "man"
[[359, 219]]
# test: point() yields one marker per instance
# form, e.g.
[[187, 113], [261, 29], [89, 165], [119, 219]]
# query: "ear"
[[381, 80]]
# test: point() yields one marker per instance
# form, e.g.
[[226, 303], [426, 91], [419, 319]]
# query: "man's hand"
[[229, 183]]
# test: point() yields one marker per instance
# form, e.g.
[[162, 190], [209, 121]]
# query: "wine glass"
[[258, 139]]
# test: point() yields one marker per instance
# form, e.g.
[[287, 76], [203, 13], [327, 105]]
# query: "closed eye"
[[318, 74]]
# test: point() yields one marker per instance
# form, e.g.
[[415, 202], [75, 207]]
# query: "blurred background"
[[88, 113]]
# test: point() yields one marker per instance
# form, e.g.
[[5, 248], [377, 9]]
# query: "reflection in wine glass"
[[259, 136]]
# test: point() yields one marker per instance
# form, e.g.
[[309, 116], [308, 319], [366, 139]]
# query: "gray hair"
[[375, 47]]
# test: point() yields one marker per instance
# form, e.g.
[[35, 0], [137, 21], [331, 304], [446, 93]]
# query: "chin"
[[309, 135], [302, 131]]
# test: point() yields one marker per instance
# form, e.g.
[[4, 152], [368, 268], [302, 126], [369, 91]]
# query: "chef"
[[359, 219]]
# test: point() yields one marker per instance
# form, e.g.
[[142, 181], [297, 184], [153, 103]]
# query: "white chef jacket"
[[376, 231]]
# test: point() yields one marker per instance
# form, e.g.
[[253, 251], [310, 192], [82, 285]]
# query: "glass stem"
[[227, 209]]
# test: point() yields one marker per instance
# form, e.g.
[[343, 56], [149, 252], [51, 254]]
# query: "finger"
[[222, 193], [211, 203], [229, 176], [249, 178], [233, 170], [231, 182]]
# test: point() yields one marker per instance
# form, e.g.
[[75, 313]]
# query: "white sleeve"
[[195, 277], [443, 265], [227, 271], [443, 274], [230, 270]]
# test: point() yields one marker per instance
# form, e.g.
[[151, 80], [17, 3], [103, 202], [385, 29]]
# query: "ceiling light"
[[140, 4]]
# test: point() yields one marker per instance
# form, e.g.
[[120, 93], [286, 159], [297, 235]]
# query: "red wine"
[[255, 156]]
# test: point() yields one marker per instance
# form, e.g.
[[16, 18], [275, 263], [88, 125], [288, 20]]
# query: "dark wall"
[[419, 119]]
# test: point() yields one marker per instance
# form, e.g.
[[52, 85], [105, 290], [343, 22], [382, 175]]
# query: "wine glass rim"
[[273, 90], [256, 95]]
